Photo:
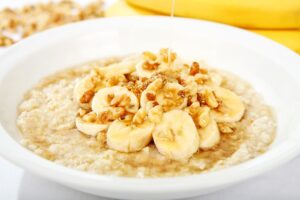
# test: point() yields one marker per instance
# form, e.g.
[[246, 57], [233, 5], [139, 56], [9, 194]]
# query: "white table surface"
[[17, 184]]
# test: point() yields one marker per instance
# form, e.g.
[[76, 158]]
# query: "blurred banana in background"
[[265, 14], [289, 38], [276, 19], [122, 8]]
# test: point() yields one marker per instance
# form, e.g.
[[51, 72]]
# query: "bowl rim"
[[52, 171]]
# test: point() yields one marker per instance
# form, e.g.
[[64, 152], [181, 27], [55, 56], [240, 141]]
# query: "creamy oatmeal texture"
[[139, 116]]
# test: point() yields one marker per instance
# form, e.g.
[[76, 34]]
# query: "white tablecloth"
[[17, 184]]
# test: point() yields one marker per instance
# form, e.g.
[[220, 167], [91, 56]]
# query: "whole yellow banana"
[[265, 14]]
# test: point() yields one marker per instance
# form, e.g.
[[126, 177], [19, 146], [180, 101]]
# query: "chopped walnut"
[[122, 100], [155, 103], [87, 97], [200, 115], [90, 117], [119, 112], [150, 96], [212, 100], [203, 117], [201, 78], [193, 109], [104, 117], [82, 112], [131, 77], [122, 116], [131, 86], [208, 97], [115, 80], [150, 66], [155, 114], [203, 71], [6, 41], [169, 97], [110, 97], [181, 93], [139, 116], [101, 138], [157, 84], [194, 68], [225, 128], [189, 100], [180, 81], [128, 117]]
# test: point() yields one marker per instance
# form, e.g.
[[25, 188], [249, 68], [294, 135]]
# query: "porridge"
[[145, 116]]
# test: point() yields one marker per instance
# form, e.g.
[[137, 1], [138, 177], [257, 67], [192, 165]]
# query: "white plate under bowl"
[[271, 68]]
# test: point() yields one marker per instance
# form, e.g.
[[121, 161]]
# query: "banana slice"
[[209, 135], [89, 127], [167, 95], [231, 107], [112, 97], [176, 136], [84, 90], [126, 66], [128, 137]]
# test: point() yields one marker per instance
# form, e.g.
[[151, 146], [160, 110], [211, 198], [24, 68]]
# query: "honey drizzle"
[[171, 30]]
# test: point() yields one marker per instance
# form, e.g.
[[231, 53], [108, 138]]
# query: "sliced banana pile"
[[156, 98]]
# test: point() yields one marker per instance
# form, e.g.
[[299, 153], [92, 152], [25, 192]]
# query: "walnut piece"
[[195, 68], [150, 66], [208, 97], [225, 128], [87, 97], [150, 96], [155, 114], [81, 112], [203, 117], [120, 101], [90, 117], [104, 117], [139, 116]]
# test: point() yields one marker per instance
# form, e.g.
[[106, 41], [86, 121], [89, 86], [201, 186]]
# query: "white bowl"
[[271, 68]]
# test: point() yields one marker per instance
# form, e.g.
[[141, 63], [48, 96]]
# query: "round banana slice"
[[176, 136], [85, 89], [89, 128], [126, 137], [209, 135], [230, 108], [116, 96], [167, 95]]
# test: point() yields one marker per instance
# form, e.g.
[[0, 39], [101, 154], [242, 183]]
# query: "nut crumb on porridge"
[[157, 120], [19, 23]]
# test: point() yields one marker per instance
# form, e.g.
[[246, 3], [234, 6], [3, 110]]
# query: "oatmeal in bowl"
[[145, 115]]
